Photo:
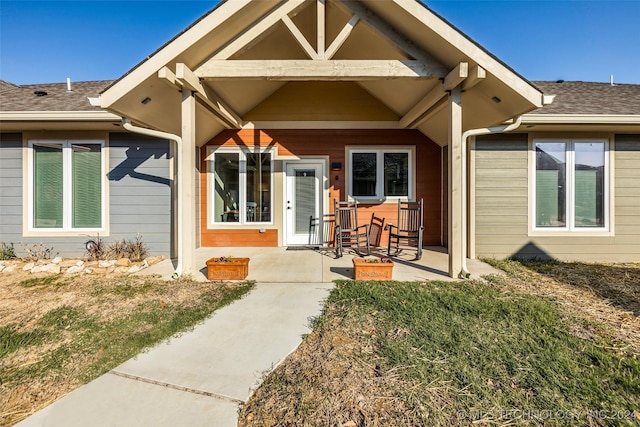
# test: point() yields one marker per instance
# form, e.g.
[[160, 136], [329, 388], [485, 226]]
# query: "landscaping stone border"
[[72, 266]]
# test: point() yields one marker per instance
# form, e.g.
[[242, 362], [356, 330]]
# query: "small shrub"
[[7, 251], [117, 250], [95, 249], [38, 251], [137, 249]]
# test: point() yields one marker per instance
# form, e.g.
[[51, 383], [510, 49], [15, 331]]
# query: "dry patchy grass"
[[606, 297], [545, 337], [59, 332]]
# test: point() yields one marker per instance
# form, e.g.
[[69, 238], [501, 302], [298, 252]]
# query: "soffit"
[[423, 31]]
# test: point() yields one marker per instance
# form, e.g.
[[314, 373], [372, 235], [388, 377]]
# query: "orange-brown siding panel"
[[332, 143], [239, 237]]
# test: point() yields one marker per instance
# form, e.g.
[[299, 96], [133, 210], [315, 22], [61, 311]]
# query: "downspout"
[[126, 123], [464, 274]]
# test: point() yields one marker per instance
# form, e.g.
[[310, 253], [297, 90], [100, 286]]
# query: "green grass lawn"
[[441, 353]]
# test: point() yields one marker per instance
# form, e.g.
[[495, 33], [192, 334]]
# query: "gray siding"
[[10, 188], [140, 190], [502, 205], [139, 195]]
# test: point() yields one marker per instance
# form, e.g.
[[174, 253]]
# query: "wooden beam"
[[330, 70], [389, 32], [185, 76], [208, 97], [321, 28], [169, 77], [411, 118], [476, 75], [454, 178], [300, 38], [187, 184], [342, 37], [258, 29], [456, 76]]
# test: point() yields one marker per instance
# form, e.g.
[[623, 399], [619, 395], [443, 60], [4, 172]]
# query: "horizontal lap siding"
[[140, 190], [235, 237], [140, 197], [11, 188], [332, 143], [501, 195], [502, 205], [627, 202]]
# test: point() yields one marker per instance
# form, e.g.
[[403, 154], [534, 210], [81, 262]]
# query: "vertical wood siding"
[[502, 205], [332, 143]]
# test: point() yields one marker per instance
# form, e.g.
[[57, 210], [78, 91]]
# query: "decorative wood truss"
[[320, 65]]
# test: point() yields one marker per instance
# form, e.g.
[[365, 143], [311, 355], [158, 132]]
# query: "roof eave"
[[621, 119], [475, 51], [169, 51], [48, 116]]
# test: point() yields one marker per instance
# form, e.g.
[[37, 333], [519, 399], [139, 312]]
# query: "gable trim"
[[170, 51], [304, 69], [472, 50]]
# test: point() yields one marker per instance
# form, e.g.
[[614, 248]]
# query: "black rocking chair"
[[409, 227], [347, 230]]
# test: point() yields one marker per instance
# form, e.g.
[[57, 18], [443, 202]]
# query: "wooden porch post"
[[454, 178], [187, 160]]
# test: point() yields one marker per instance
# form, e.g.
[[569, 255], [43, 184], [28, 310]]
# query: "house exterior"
[[243, 129], [42, 143], [568, 182]]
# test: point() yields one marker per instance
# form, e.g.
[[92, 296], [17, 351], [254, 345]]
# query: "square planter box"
[[236, 269], [364, 270]]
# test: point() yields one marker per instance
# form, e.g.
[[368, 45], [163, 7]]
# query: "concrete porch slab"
[[283, 265]]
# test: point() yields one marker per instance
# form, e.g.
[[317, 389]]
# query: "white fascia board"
[[49, 116], [625, 119], [170, 52], [473, 51]]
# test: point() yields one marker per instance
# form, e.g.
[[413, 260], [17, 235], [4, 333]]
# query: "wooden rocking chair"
[[347, 230], [409, 227]]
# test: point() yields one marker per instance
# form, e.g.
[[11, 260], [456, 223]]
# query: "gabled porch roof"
[[256, 63], [372, 63]]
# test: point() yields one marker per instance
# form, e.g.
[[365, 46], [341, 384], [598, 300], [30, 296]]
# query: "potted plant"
[[373, 268], [227, 268]]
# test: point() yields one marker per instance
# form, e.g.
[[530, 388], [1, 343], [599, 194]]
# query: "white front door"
[[303, 202]]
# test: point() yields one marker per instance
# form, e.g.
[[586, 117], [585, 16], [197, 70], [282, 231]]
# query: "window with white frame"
[[380, 173], [571, 185], [241, 186], [66, 185]]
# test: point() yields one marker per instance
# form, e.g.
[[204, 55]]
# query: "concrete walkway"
[[201, 377]]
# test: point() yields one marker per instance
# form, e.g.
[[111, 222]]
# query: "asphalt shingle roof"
[[590, 98], [571, 97], [22, 97]]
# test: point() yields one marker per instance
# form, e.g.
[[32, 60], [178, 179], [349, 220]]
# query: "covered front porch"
[[251, 68], [320, 265]]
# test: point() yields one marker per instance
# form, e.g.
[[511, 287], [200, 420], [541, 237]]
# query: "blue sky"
[[48, 41]]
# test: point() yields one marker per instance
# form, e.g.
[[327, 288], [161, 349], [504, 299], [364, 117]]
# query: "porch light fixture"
[[336, 166], [146, 100]]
